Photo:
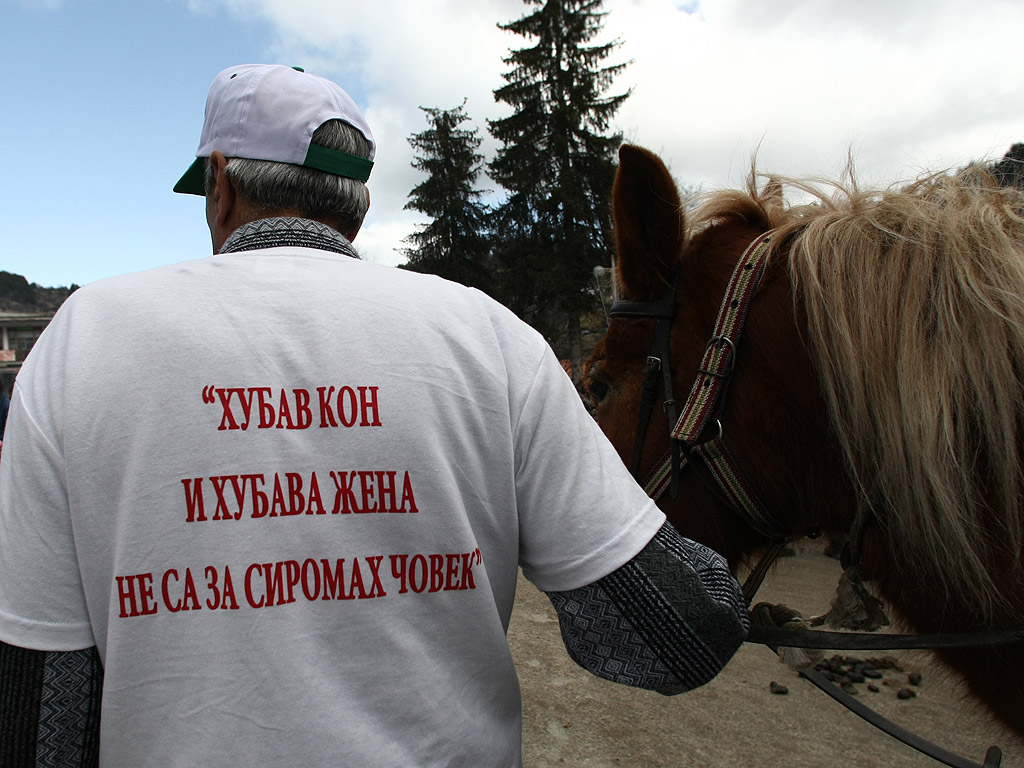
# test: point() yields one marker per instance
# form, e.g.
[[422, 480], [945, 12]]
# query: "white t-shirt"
[[285, 493]]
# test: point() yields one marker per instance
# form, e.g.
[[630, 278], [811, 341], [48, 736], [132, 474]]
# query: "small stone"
[[778, 689], [873, 674], [850, 688], [873, 688], [914, 678], [905, 693], [855, 677]]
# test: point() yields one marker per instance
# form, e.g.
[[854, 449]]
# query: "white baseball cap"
[[269, 112]]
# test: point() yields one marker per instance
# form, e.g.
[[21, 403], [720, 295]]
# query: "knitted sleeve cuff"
[[668, 620]]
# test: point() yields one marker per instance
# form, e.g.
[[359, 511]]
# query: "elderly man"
[[267, 508]]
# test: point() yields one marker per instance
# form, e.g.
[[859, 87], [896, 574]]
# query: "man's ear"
[[222, 196], [225, 209]]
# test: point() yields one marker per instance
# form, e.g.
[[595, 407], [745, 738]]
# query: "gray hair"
[[270, 187]]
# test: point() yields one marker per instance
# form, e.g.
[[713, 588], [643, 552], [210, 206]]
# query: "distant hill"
[[19, 295]]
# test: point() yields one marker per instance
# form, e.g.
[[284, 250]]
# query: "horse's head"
[[878, 371], [773, 418]]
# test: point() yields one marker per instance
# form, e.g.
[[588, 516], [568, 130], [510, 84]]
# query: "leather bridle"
[[691, 445], [696, 436]]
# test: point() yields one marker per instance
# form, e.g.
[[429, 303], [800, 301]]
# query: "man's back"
[[299, 487], [282, 494]]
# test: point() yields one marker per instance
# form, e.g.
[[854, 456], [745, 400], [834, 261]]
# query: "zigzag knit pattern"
[[668, 620], [600, 639], [69, 710], [281, 231]]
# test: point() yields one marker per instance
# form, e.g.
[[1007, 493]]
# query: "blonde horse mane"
[[914, 299]]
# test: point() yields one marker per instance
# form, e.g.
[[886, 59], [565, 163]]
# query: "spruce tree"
[[1009, 171], [455, 243], [557, 163]]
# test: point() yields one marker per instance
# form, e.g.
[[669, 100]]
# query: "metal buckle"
[[719, 341]]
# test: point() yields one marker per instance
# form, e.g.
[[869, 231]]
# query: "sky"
[[101, 101]]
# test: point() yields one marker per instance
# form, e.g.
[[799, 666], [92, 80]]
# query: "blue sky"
[[102, 104], [102, 100]]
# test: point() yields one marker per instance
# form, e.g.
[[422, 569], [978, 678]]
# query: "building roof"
[[8, 317]]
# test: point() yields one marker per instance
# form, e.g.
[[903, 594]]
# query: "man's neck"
[[287, 231]]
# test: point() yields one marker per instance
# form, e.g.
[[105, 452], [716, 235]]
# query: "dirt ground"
[[571, 718]]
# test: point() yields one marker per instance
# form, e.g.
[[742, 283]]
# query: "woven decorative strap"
[[720, 354], [659, 479], [708, 393], [732, 483]]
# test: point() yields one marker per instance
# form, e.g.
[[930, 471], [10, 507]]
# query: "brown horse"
[[878, 385]]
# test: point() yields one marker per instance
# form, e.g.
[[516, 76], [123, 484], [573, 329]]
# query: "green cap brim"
[[193, 182], [337, 162]]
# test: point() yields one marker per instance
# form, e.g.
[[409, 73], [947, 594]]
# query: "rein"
[[690, 445], [794, 637]]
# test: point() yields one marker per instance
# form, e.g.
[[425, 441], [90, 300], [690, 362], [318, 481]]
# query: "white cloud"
[[807, 81], [908, 86]]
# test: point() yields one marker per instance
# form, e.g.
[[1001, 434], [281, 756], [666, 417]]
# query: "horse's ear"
[[649, 222]]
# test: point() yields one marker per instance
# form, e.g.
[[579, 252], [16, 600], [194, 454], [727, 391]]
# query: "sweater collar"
[[287, 231]]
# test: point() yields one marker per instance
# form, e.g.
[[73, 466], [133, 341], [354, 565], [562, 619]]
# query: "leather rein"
[[696, 440]]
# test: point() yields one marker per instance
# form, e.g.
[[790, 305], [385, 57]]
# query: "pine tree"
[[455, 244], [557, 163], [1009, 171]]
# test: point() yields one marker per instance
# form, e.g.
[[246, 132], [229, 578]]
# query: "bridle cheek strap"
[[704, 405], [658, 364], [707, 396]]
